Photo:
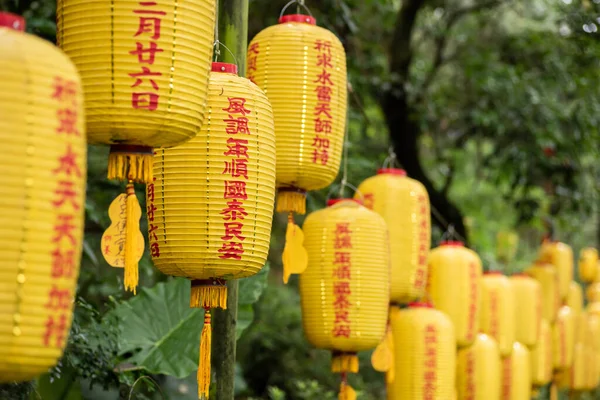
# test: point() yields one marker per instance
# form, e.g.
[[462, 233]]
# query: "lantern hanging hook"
[[217, 45], [300, 4], [344, 184], [391, 160]]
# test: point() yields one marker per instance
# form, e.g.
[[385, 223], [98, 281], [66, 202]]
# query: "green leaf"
[[160, 332], [67, 387], [250, 290]]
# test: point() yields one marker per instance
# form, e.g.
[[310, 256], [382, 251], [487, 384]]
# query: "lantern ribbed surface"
[[497, 316], [592, 293], [560, 256], [43, 168], [144, 66], [425, 355], [452, 262], [541, 357], [588, 265], [516, 374], [404, 204], [575, 298], [302, 69], [212, 198], [547, 276], [575, 377], [345, 289], [528, 313], [563, 338], [478, 370]]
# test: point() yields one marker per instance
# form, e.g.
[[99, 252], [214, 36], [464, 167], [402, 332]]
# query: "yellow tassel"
[[383, 358], [204, 363], [132, 227], [346, 391], [295, 257], [344, 362], [209, 293], [130, 163], [291, 200]]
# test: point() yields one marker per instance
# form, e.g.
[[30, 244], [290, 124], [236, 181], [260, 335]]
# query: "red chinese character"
[[236, 148], [237, 106], [151, 233], [149, 24], [235, 190], [140, 51], [236, 167], [322, 125], [323, 108], [150, 212], [342, 316], [324, 60], [63, 264], [252, 63], [145, 100], [320, 156], [232, 250], [343, 242], [237, 125], [233, 229], [342, 258], [254, 48], [67, 118], [155, 250], [369, 200], [342, 272], [342, 228], [145, 72], [55, 329], [324, 93], [324, 78], [321, 45], [58, 299], [68, 163], [234, 211], [64, 229], [321, 143], [64, 89], [107, 249], [150, 192], [66, 192], [341, 330], [150, 12], [250, 76]]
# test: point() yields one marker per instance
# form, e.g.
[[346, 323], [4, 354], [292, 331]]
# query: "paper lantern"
[[563, 338], [345, 289], [588, 264], [210, 206], [478, 370], [560, 256], [575, 298], [592, 293], [516, 374], [497, 316], [425, 355], [144, 67], [547, 276], [42, 128], [575, 377], [541, 357], [528, 313], [302, 68], [452, 262]]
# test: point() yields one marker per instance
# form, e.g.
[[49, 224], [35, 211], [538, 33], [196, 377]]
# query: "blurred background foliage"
[[492, 104]]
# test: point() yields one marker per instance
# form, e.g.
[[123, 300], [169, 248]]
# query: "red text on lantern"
[[342, 275], [430, 362], [323, 115]]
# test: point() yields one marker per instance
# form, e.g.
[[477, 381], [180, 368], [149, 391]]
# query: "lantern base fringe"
[[209, 293], [346, 391], [344, 363], [204, 371], [130, 163], [131, 265], [291, 200], [294, 257]]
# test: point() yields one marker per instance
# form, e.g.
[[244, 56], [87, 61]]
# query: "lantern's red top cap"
[[335, 201], [493, 273], [224, 67], [393, 171], [452, 243], [12, 21], [302, 18], [420, 304]]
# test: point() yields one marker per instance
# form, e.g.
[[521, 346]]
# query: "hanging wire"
[[217, 42], [217, 46], [300, 4], [346, 145], [391, 160]]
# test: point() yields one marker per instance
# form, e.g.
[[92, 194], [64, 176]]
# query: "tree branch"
[[401, 54]]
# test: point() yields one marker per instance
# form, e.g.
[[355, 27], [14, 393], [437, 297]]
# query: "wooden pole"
[[233, 34]]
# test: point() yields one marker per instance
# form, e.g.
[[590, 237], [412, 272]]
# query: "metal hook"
[[391, 160], [300, 4], [345, 184], [217, 45]]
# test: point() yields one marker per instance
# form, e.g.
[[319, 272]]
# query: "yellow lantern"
[[575, 298], [575, 377], [210, 206], [588, 264], [425, 355], [592, 293], [541, 357], [547, 276], [410, 229], [497, 317], [516, 374], [560, 256], [144, 67], [302, 69], [528, 312], [43, 170], [452, 262], [345, 289], [478, 370], [563, 338]]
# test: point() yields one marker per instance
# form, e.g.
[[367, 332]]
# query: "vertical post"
[[233, 33]]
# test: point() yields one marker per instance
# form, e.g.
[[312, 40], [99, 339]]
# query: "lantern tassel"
[[209, 293], [382, 358], [131, 230], [291, 200], [346, 391], [204, 363], [295, 257], [130, 163], [344, 362]]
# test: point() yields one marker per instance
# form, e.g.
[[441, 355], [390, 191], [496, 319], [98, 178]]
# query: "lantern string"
[[218, 51], [300, 3], [217, 42], [391, 160]]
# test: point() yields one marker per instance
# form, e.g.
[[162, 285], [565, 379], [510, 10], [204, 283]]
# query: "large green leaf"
[[250, 291]]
